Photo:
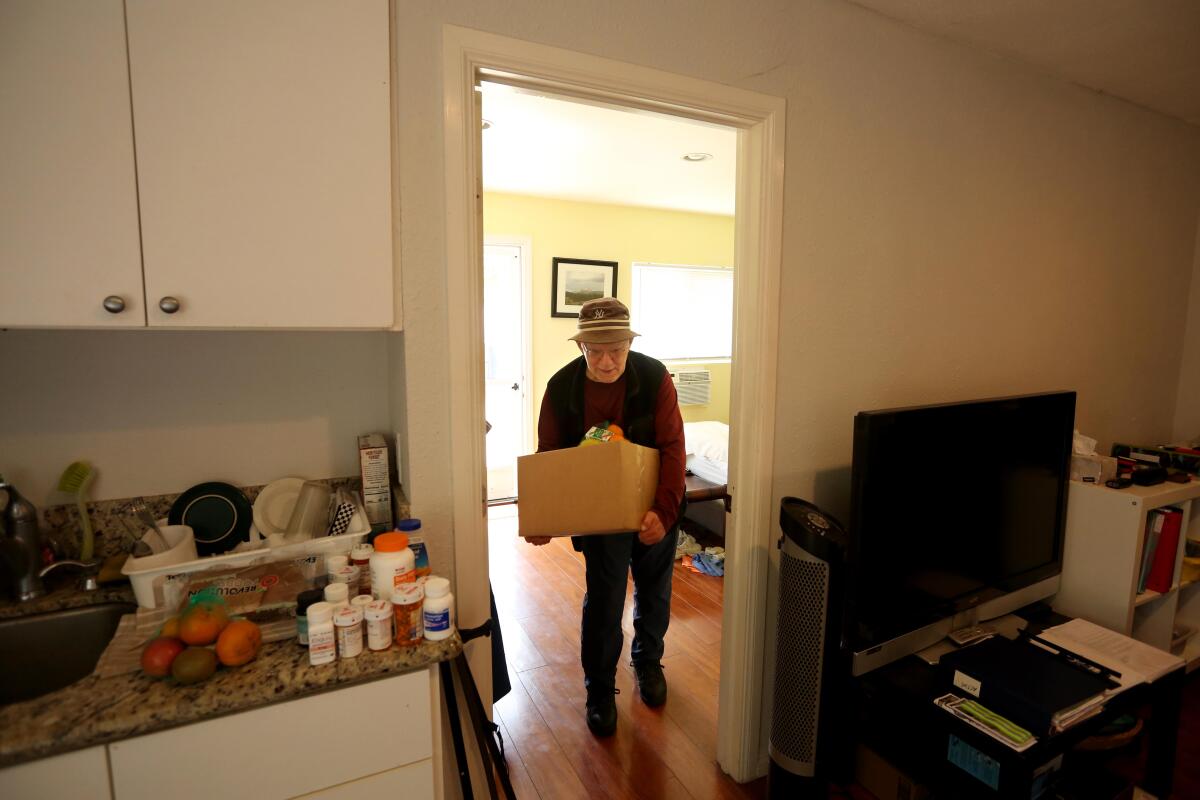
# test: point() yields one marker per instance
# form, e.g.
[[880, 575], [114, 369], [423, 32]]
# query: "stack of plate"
[[218, 514], [273, 507]]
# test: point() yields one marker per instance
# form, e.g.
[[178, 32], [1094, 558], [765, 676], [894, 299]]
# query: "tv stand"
[[897, 720]]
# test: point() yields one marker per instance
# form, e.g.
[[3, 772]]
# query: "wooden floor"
[[669, 752]]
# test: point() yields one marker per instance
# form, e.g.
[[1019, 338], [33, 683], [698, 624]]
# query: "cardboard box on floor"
[[877, 775], [600, 488]]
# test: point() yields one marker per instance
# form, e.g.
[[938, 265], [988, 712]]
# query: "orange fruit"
[[202, 624], [617, 433], [239, 643], [170, 627]]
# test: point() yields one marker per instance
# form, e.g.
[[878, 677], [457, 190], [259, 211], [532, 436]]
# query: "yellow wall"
[[603, 232]]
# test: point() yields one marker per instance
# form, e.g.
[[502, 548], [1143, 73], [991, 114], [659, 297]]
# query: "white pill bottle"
[[438, 611], [391, 564]]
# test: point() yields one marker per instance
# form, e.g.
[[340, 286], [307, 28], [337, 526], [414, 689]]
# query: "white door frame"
[[525, 244], [468, 55]]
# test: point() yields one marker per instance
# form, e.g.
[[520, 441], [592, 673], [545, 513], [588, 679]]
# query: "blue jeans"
[[609, 558]]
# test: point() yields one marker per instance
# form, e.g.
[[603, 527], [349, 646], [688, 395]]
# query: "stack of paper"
[[1131, 661]]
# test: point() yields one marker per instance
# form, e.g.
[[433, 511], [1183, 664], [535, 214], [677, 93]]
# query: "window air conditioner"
[[694, 386]]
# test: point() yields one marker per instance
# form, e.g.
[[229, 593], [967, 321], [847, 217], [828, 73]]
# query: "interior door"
[[504, 344]]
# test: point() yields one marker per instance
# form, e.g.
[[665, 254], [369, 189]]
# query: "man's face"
[[605, 362]]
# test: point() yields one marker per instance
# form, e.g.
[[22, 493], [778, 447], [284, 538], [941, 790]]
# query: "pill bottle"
[[334, 563], [360, 557], [337, 595], [348, 625], [438, 609], [347, 575], [391, 564], [408, 604], [303, 601], [322, 644], [416, 543], [361, 601], [378, 616]]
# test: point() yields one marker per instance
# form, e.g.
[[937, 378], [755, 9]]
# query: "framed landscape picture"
[[577, 280]]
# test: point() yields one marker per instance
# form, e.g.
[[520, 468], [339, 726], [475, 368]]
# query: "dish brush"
[[75, 480]]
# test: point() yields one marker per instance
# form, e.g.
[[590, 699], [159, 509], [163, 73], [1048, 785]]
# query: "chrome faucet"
[[90, 572], [20, 544]]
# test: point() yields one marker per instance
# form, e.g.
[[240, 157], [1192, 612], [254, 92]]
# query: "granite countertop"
[[98, 711]]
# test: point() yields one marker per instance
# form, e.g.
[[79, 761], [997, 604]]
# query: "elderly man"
[[609, 382]]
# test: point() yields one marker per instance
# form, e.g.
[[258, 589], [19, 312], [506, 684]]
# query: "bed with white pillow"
[[707, 447]]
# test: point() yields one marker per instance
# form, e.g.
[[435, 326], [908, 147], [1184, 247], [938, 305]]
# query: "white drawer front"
[[82, 775]]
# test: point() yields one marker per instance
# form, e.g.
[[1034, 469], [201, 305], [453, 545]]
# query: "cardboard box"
[[880, 778], [600, 488], [374, 466]]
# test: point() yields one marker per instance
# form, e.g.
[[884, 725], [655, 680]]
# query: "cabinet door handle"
[[114, 304], [169, 305]]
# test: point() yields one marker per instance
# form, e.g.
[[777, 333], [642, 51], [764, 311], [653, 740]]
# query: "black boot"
[[652, 685], [601, 711]]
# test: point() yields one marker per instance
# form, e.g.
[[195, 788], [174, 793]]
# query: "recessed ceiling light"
[[487, 123], [697, 156]]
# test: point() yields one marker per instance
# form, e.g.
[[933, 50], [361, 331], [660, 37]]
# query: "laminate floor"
[[669, 752]]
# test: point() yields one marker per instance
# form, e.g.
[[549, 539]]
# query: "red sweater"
[[606, 402]]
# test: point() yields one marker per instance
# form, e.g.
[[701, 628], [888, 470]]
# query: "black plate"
[[218, 514]]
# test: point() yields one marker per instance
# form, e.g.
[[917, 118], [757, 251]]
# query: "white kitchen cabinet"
[[323, 744], [82, 775], [69, 218], [249, 139], [264, 161], [1105, 537]]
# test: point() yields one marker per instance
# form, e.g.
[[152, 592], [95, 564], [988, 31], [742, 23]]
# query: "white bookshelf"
[[1106, 530]]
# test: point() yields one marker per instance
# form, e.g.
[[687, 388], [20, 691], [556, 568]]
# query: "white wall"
[[158, 411], [1187, 407]]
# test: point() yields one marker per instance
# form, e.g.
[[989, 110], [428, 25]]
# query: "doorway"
[[471, 56], [506, 326], [644, 205]]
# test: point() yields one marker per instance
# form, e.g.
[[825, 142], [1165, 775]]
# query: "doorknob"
[[169, 305], [114, 304], [515, 387]]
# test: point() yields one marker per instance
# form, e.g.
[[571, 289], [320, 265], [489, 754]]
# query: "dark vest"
[[643, 377]]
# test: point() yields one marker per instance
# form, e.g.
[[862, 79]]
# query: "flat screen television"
[[957, 516]]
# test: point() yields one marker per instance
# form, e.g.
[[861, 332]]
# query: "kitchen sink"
[[43, 652]]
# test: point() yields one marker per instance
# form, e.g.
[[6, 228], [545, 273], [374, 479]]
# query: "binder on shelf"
[[1041, 691], [1154, 524], [1162, 573]]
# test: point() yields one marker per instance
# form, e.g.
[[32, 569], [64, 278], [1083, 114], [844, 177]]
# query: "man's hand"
[[538, 540], [652, 531]]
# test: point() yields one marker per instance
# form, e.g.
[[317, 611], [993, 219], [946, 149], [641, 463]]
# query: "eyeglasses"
[[599, 353]]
